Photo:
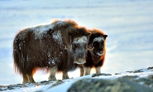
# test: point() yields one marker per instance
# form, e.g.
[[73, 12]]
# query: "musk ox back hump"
[[37, 46]]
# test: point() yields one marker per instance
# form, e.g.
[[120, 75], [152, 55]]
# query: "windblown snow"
[[82, 39], [57, 36], [41, 30]]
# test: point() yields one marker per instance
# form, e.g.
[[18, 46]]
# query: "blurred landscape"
[[128, 24]]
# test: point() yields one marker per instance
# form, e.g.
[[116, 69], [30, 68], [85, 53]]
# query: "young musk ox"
[[49, 46], [96, 51]]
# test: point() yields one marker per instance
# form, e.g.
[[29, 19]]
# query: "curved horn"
[[90, 49]]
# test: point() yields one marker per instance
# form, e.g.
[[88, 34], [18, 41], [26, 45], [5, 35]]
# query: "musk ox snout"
[[99, 53], [96, 44], [80, 54], [80, 61], [79, 49]]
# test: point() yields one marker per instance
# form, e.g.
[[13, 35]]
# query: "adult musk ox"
[[49, 46], [79, 47], [96, 51]]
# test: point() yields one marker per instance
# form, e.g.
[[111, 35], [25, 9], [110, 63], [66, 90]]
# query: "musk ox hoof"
[[51, 78]]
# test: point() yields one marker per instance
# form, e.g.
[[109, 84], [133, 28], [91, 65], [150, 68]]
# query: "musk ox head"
[[78, 49], [96, 42]]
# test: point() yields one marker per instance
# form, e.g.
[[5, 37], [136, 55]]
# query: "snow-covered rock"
[[130, 81]]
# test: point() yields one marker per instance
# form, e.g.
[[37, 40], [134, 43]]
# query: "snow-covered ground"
[[63, 86], [128, 23]]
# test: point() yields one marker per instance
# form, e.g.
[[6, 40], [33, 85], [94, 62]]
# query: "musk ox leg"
[[87, 70], [82, 70], [52, 74], [31, 80], [28, 78], [25, 78], [65, 75], [98, 69]]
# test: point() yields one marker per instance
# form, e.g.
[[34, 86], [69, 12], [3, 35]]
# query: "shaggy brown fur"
[[96, 54], [44, 47]]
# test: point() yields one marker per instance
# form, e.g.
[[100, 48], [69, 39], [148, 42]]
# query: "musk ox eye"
[[74, 46], [95, 44], [102, 42]]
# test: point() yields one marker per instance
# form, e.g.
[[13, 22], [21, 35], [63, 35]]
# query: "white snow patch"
[[143, 74], [48, 54], [61, 53], [20, 46], [60, 23], [41, 30], [57, 36], [82, 39], [51, 61]]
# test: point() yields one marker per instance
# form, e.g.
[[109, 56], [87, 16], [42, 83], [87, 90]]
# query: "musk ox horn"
[[90, 48]]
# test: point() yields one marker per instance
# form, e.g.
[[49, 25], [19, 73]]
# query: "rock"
[[150, 77], [130, 77], [58, 83], [100, 85], [101, 74], [10, 87], [138, 71], [45, 82], [146, 81], [150, 68]]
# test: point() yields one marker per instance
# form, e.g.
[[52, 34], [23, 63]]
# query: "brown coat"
[[96, 53], [47, 46]]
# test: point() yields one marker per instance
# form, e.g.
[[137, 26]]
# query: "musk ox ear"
[[88, 34], [105, 36]]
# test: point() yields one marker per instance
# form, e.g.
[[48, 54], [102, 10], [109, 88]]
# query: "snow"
[[68, 82], [41, 30], [57, 37], [82, 39]]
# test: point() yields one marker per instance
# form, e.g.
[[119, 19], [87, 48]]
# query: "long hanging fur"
[[46, 46], [96, 54]]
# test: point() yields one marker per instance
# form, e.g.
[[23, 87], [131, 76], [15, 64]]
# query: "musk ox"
[[96, 51], [79, 46], [54, 45]]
